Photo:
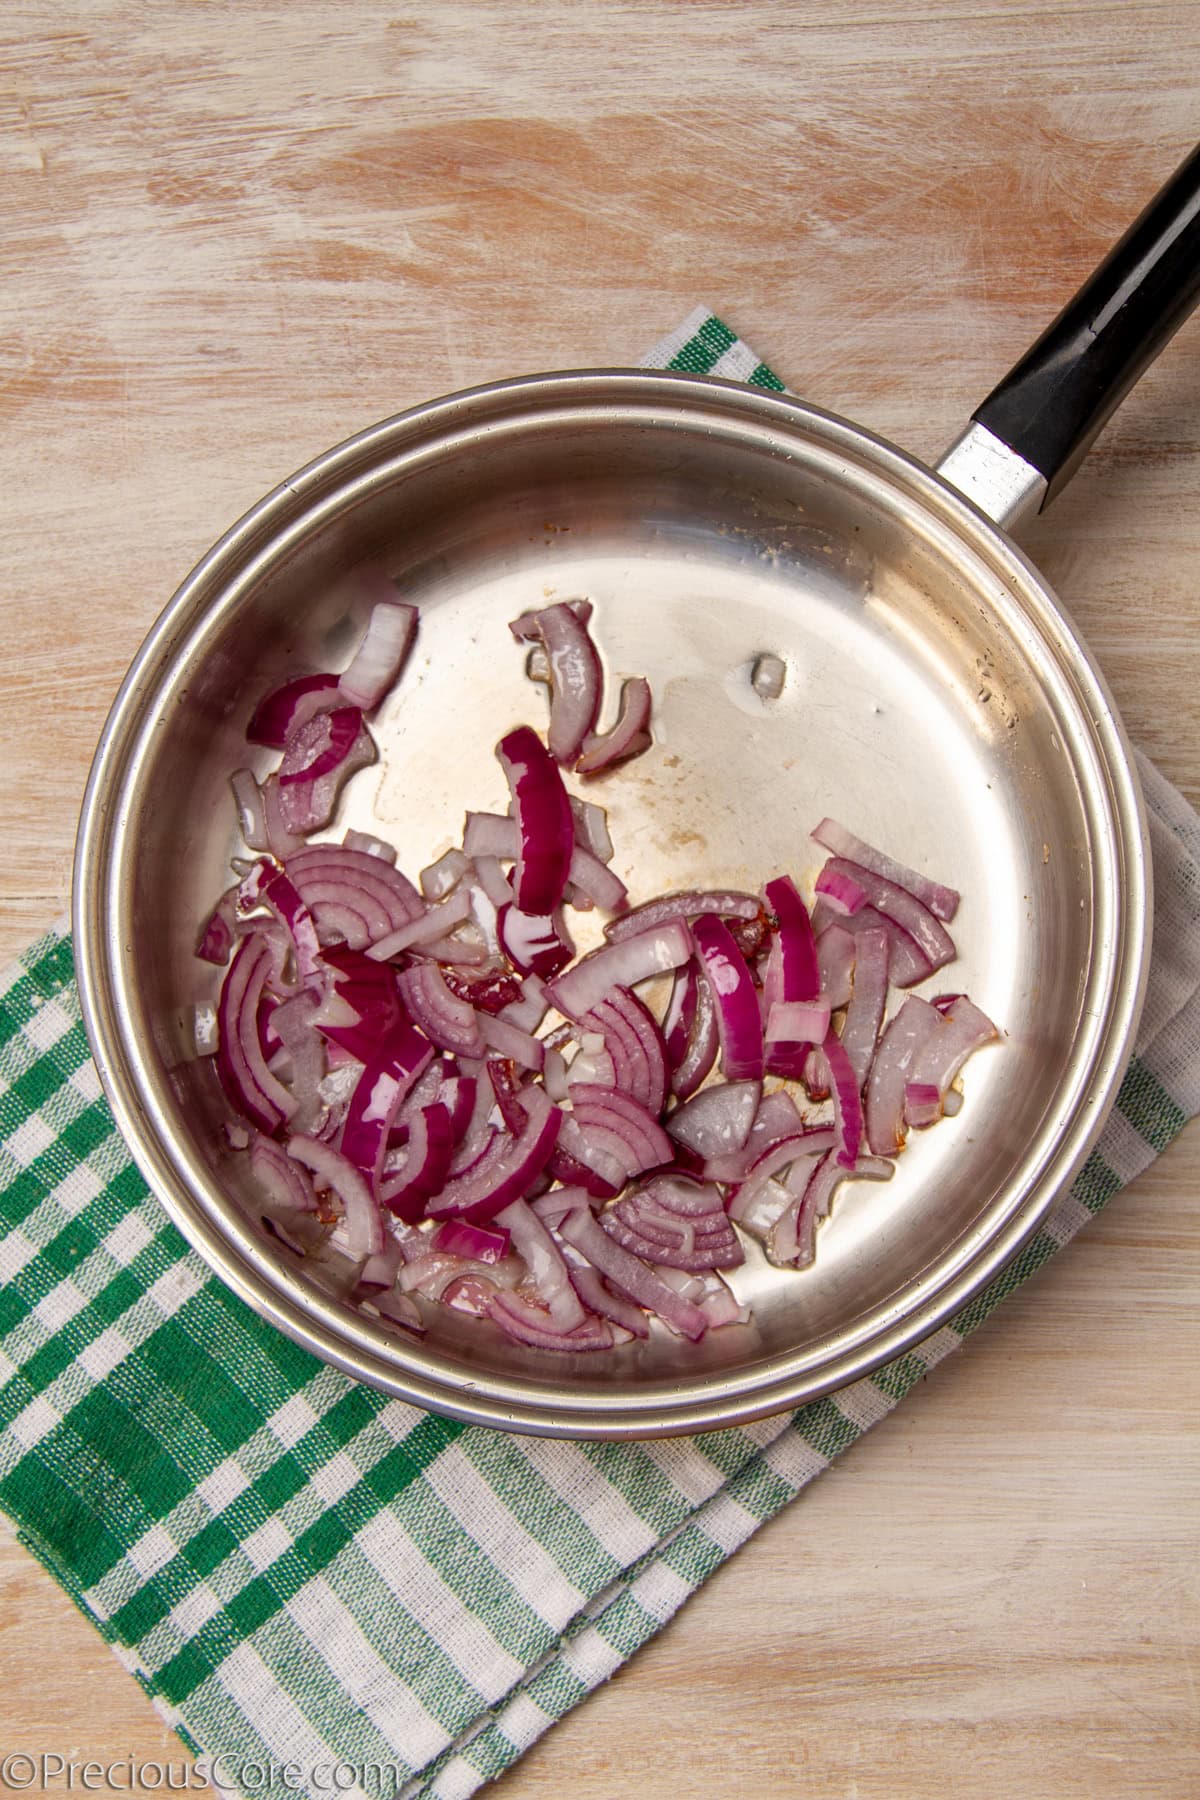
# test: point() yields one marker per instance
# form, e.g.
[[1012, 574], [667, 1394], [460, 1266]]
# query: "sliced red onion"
[[554, 1076], [777, 1117], [634, 1046], [612, 1109], [965, 1028], [835, 965], [506, 1040], [686, 1197], [283, 1181], [864, 1014], [543, 1258], [738, 1021], [528, 1011], [450, 1023], [422, 932], [906, 962], [899, 1048], [594, 881], [591, 829], [287, 709], [658, 1236], [535, 944], [575, 676], [840, 892], [598, 1297], [630, 1275], [717, 1121], [370, 846], [218, 930], [792, 973], [426, 1165], [252, 820], [941, 901], [602, 1177], [292, 1024], [248, 1083], [922, 1103], [692, 903], [800, 1147], [307, 804], [493, 881], [798, 1021], [282, 840], [444, 874], [376, 1100], [399, 1310], [381, 655], [533, 1325], [653, 952], [480, 1193], [703, 1042], [544, 821], [364, 1226], [351, 895], [378, 1273], [320, 746], [269, 886], [480, 1243], [904, 909], [847, 1104], [629, 736]]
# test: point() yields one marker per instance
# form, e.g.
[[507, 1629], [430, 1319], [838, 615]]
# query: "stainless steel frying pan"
[[937, 698]]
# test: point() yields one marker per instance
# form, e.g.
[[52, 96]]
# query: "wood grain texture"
[[230, 236]]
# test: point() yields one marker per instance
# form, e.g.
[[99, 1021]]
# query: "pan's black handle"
[[1052, 404]]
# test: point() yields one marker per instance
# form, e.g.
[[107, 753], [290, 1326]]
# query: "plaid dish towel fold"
[[303, 1573]]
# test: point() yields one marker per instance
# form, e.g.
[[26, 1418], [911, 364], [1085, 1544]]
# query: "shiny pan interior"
[[937, 700]]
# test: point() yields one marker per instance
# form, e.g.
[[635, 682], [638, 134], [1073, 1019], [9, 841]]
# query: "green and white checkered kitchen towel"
[[301, 1572]]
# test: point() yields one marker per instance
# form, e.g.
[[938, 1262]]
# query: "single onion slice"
[[543, 1258], [847, 1104], [218, 931], [653, 952], [307, 804], [446, 1020], [370, 846], [303, 1048], [591, 829], [941, 901], [609, 1116], [629, 1274], [286, 1184], [691, 903], [490, 877], [654, 1232], [840, 892], [602, 1177], [491, 837], [922, 1103], [798, 1021], [738, 1021], [904, 909], [681, 1013], [443, 876], [286, 709], [282, 840], [777, 1117], [792, 972], [364, 1224], [717, 1121], [575, 675], [486, 1189], [377, 1098], [900, 1046], [792, 1239], [382, 654], [533, 1325], [420, 933], [628, 737], [252, 818], [362, 1005], [835, 965], [528, 1009], [247, 1081], [686, 1198], [269, 886], [964, 1029], [598, 1297], [700, 1052], [352, 895], [545, 824], [378, 1273], [864, 1014], [507, 1040], [535, 944], [480, 1243]]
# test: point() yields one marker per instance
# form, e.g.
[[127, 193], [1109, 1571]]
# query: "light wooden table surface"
[[233, 235]]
